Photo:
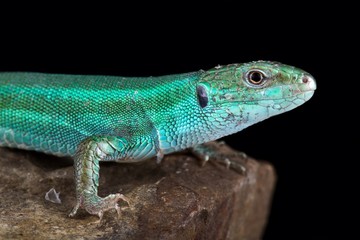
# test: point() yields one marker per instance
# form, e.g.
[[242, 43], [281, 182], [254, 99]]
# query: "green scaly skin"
[[107, 118]]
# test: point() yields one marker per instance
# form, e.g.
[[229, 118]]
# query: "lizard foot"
[[212, 152], [96, 205], [90, 152]]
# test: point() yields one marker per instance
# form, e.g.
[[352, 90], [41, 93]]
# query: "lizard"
[[94, 118]]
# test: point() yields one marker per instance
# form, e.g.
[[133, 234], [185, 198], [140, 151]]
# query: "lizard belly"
[[30, 141]]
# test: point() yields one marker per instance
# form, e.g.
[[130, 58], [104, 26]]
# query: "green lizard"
[[108, 118]]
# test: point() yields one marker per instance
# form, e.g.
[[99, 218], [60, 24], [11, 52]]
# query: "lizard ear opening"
[[202, 96]]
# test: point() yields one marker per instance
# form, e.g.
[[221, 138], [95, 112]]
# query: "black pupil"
[[256, 77]]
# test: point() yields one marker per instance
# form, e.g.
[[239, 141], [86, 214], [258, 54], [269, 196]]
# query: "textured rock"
[[176, 200]]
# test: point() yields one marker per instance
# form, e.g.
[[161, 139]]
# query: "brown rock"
[[176, 200]]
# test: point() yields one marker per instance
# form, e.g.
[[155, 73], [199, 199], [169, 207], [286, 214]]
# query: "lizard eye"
[[255, 77]]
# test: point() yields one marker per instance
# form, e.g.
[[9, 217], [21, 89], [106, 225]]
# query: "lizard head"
[[239, 95]]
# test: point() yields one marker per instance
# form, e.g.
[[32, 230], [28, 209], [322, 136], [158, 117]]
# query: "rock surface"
[[176, 200]]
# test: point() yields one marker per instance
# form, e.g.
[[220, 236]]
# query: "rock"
[[177, 199]]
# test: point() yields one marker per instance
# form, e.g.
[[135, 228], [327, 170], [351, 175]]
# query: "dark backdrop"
[[311, 200]]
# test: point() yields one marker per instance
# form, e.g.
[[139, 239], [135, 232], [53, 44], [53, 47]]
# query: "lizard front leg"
[[86, 165]]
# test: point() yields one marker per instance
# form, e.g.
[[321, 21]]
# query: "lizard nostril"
[[305, 79], [309, 81]]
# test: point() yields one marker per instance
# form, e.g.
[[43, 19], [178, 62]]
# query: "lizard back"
[[53, 113]]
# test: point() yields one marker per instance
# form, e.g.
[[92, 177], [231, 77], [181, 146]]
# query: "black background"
[[313, 197]]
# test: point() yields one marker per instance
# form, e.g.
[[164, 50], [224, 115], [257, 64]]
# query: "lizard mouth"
[[308, 94], [305, 90]]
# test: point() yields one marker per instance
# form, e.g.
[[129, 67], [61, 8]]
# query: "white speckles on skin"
[[228, 96], [276, 106]]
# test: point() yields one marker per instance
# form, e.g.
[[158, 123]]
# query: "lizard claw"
[[211, 152], [96, 205]]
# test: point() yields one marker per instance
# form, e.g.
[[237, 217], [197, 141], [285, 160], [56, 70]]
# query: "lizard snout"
[[309, 81]]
